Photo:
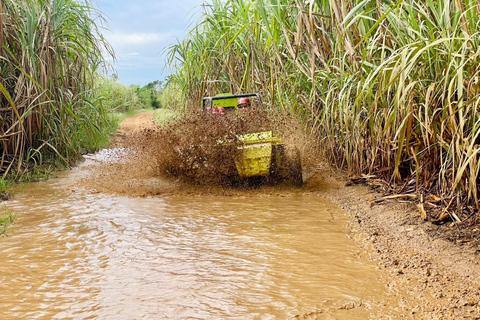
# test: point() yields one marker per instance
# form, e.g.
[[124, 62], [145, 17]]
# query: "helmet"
[[243, 101]]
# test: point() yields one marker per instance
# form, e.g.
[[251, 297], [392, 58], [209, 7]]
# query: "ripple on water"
[[76, 255]]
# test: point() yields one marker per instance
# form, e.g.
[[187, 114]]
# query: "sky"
[[140, 30]]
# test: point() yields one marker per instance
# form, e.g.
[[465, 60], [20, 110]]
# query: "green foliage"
[[171, 96], [115, 96], [149, 95], [50, 54], [390, 87], [6, 218], [3, 186]]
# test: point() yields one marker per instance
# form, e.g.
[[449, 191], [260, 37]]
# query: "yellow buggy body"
[[261, 153], [255, 158]]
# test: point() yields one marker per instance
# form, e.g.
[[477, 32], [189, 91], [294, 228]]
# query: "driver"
[[216, 110], [243, 103]]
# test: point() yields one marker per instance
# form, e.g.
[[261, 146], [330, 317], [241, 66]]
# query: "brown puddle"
[[74, 254]]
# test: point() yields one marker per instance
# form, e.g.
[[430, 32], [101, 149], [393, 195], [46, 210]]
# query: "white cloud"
[[121, 39]]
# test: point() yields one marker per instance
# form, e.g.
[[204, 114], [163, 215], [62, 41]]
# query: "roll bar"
[[208, 101]]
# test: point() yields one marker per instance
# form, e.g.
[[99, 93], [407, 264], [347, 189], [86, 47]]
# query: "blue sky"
[[140, 30]]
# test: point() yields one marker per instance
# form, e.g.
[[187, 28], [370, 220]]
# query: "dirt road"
[[136, 123], [440, 278]]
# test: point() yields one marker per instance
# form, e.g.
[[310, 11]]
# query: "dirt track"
[[137, 123], [441, 278]]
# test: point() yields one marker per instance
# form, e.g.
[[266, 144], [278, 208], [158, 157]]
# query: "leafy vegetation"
[[171, 96], [6, 218], [50, 53], [115, 96], [391, 88], [149, 95]]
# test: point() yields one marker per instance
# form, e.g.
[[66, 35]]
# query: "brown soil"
[[427, 270], [132, 126], [440, 277]]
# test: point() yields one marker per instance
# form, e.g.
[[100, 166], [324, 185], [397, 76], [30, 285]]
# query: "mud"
[[195, 154], [200, 148], [441, 278]]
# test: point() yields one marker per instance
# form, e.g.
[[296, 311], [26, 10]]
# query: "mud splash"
[[200, 148], [187, 156]]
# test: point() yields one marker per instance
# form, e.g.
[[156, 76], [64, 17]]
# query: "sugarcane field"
[[239, 159]]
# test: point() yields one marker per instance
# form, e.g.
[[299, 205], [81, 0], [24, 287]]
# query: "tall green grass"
[[172, 96], [50, 51], [391, 88], [114, 96], [6, 219]]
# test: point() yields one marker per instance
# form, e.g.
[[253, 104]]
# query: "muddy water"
[[74, 254]]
